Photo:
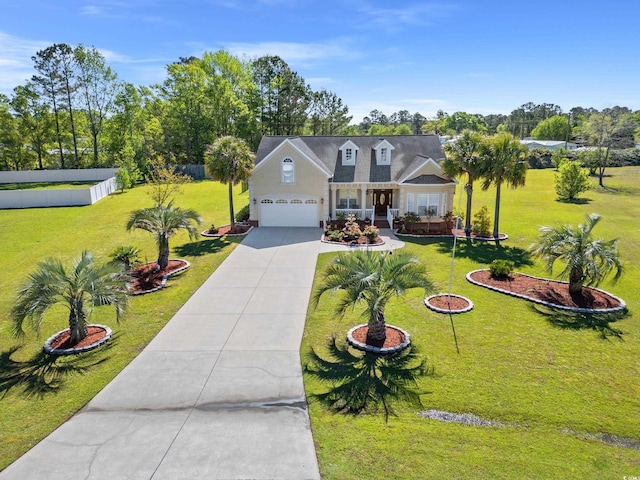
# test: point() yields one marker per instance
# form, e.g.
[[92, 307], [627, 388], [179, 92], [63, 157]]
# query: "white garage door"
[[289, 212]]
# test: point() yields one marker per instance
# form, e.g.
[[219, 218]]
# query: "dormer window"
[[383, 152], [288, 171], [349, 153]]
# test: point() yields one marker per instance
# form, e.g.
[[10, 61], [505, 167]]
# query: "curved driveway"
[[217, 394]]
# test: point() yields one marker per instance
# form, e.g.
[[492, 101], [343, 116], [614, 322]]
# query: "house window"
[[348, 155], [383, 155], [411, 206], [288, 171], [348, 199], [428, 202]]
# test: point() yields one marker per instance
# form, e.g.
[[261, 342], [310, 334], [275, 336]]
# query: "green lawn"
[[47, 185], [37, 394], [557, 383]]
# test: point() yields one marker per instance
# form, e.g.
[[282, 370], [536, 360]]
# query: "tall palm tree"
[[502, 162], [81, 288], [463, 158], [588, 261], [164, 221], [229, 160], [372, 278]]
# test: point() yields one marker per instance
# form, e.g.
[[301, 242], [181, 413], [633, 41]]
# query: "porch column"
[[363, 199], [325, 202], [332, 187]]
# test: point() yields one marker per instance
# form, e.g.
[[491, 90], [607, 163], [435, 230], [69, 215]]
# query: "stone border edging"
[[622, 305], [397, 233], [383, 351], [164, 277], [217, 235], [468, 308], [70, 351]]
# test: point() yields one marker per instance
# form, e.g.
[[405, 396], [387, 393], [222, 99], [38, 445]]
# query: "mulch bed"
[[449, 302], [393, 339], [549, 291], [460, 233], [142, 282], [227, 230], [63, 339], [360, 241]]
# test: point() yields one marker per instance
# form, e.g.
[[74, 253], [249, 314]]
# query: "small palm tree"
[[164, 221], [230, 160], [372, 278], [463, 158], [81, 288], [502, 162], [588, 261]]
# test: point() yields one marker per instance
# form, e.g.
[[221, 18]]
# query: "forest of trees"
[[76, 113]]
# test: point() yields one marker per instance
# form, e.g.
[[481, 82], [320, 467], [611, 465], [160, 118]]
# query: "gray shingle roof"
[[428, 180], [410, 152]]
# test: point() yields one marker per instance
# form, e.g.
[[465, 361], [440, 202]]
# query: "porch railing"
[[391, 214], [360, 213]]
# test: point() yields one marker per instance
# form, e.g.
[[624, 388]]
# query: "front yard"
[[560, 389], [38, 393]]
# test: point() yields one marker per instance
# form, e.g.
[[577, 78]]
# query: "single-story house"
[[309, 180], [548, 144]]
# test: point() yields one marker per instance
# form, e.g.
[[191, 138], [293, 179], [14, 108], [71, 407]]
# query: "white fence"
[[57, 197], [52, 176]]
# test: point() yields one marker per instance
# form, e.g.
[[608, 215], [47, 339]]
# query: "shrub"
[[243, 214], [571, 180], [501, 268], [212, 229], [125, 255], [371, 232], [123, 180], [482, 225], [335, 235]]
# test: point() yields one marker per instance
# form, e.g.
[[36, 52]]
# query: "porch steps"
[[381, 224]]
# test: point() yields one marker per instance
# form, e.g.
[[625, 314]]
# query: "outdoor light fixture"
[[254, 200], [322, 201]]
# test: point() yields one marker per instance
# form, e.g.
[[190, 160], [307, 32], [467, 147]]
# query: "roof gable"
[[272, 149]]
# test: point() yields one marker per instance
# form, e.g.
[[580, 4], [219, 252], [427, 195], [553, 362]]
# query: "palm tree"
[[463, 157], [502, 161], [81, 288], [230, 160], [164, 221], [588, 261], [372, 278]]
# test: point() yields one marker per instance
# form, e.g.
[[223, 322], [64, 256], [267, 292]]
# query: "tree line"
[[76, 113]]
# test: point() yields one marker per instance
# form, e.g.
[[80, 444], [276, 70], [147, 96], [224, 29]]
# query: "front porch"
[[365, 202]]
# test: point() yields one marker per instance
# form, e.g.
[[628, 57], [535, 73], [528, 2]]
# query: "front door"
[[381, 200]]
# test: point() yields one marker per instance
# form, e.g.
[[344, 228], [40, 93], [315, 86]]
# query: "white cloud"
[[295, 54], [16, 66], [416, 14]]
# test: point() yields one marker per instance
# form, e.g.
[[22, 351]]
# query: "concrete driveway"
[[218, 394]]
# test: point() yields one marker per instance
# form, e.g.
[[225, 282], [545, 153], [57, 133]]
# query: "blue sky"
[[474, 56]]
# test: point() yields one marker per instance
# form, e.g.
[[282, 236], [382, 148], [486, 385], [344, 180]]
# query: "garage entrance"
[[293, 211]]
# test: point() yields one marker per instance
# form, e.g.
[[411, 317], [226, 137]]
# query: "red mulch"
[[548, 291], [141, 281], [393, 339], [63, 340], [448, 302], [226, 230]]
